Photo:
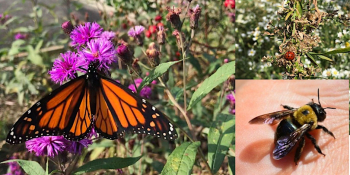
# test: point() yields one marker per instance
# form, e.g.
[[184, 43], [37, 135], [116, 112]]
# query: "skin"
[[255, 142]]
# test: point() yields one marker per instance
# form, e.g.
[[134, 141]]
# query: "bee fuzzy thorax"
[[305, 115]]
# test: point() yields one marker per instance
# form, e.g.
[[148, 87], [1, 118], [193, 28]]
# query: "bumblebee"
[[295, 123]]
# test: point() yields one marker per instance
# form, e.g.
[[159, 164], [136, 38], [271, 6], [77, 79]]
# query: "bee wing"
[[286, 143], [271, 118]]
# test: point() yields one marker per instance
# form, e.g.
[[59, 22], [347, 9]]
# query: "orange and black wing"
[[65, 111], [119, 110], [271, 118]]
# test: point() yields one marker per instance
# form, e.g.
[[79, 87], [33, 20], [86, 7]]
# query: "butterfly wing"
[[65, 111], [118, 110]]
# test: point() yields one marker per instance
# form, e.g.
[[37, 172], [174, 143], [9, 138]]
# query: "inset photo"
[[292, 127], [292, 39]]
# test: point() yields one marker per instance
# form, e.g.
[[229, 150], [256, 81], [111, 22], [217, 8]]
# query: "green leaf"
[[96, 152], [231, 164], [34, 57], [38, 46], [15, 47], [219, 139], [287, 16], [105, 143], [30, 167], [299, 10], [195, 64], [107, 163], [158, 166], [324, 57], [221, 75], [342, 50], [155, 73], [312, 59], [181, 159]]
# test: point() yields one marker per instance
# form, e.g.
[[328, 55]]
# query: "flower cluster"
[[152, 29], [232, 100], [136, 32], [145, 92], [92, 44], [14, 168], [20, 36], [334, 73], [4, 18], [230, 4], [53, 145]]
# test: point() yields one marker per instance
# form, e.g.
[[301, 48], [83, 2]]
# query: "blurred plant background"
[[31, 39], [318, 35]]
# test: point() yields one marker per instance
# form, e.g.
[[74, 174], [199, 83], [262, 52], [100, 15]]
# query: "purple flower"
[[232, 102], [47, 145], [4, 18], [77, 147], [145, 91], [232, 17], [20, 36], [66, 69], [108, 35], [84, 33], [232, 111], [92, 133], [231, 98], [136, 31], [120, 171], [67, 27], [101, 50], [124, 54], [14, 168]]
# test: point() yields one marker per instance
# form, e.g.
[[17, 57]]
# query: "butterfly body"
[[91, 100]]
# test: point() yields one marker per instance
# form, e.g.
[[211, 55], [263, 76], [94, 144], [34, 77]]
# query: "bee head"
[[318, 109]]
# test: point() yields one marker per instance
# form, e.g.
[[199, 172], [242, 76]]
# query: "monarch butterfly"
[[91, 100]]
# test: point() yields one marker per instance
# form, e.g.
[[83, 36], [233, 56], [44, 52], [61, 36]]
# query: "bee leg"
[[299, 150], [325, 130], [287, 107], [313, 140]]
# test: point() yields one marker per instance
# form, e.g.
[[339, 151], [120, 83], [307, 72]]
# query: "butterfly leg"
[[299, 150], [313, 140], [325, 130]]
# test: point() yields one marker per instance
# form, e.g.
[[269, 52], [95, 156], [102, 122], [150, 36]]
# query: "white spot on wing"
[[153, 108]]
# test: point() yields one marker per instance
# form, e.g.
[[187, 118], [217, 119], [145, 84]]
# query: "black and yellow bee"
[[295, 123]]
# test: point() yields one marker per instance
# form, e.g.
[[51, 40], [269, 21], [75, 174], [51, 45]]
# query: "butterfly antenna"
[[99, 64], [80, 67]]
